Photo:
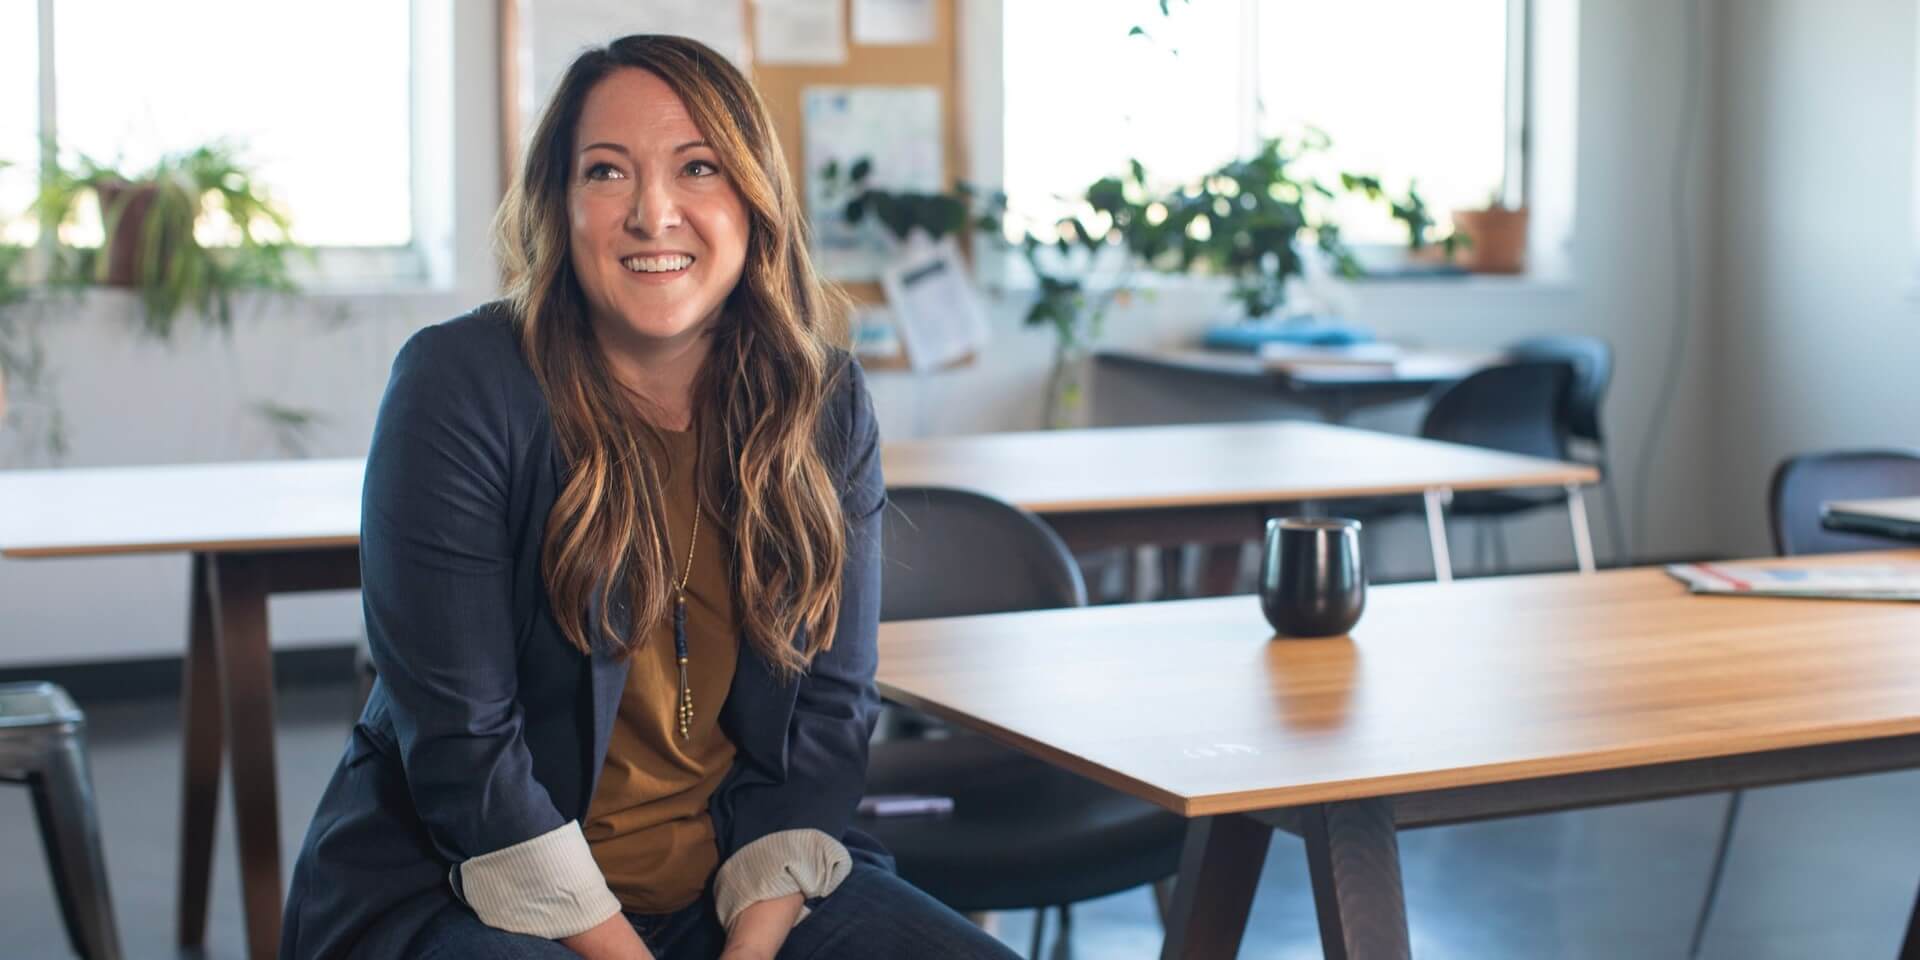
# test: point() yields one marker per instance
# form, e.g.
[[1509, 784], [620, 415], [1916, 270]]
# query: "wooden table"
[[1125, 486], [257, 529], [1449, 703], [1897, 518], [1333, 393], [252, 530]]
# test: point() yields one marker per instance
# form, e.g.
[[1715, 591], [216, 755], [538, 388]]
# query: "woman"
[[621, 576]]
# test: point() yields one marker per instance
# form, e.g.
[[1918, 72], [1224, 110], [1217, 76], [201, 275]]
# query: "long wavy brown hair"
[[757, 401]]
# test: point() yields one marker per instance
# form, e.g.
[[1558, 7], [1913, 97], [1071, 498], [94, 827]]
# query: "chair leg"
[[1063, 944], [1910, 947], [70, 830], [1039, 933], [1718, 872]]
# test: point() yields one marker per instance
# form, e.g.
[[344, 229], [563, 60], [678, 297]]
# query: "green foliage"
[[158, 212], [1411, 210]]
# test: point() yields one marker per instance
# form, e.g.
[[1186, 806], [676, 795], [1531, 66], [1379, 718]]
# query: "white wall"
[[1816, 287], [1630, 63]]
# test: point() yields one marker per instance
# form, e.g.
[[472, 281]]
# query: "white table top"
[[307, 504]]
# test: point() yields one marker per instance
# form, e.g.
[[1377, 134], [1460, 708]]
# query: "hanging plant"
[[186, 234]]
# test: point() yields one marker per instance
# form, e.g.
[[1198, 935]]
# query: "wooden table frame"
[[1547, 693], [1354, 861], [226, 688]]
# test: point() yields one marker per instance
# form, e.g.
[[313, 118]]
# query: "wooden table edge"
[[332, 542]]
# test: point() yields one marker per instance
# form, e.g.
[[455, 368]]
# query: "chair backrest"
[[1801, 484], [1592, 362], [950, 553], [1517, 407]]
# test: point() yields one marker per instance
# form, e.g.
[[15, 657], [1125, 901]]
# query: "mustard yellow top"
[[648, 825]]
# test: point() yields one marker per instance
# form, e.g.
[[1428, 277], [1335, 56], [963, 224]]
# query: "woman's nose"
[[655, 210]]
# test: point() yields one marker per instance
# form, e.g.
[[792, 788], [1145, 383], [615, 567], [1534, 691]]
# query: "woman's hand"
[[759, 931], [613, 939]]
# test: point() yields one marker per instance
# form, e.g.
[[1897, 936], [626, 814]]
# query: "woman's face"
[[658, 233]]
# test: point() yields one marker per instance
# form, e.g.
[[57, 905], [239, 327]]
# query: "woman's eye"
[[701, 168], [604, 171]]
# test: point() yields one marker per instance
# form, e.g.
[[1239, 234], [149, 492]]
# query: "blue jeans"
[[873, 915]]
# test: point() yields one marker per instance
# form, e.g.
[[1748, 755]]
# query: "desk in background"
[[1896, 518], [1141, 379], [1450, 703]]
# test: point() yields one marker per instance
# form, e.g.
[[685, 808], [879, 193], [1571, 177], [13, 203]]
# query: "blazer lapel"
[[608, 681]]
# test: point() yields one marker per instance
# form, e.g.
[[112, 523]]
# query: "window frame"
[[333, 268]]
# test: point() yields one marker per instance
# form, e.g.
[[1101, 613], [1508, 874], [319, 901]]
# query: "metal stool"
[[43, 745]]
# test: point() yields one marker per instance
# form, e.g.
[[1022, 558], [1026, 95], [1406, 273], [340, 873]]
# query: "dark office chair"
[[1800, 485], [1592, 362], [1023, 834], [1518, 407]]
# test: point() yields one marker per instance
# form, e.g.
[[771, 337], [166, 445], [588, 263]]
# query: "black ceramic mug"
[[1311, 580]]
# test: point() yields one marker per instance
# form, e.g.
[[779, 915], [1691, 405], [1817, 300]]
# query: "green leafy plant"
[[1411, 210], [158, 224]]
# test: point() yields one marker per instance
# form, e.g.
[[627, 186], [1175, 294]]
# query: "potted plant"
[[1496, 238], [161, 226], [1247, 221]]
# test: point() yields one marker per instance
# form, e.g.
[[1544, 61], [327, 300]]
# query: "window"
[[1407, 90], [316, 97], [19, 108]]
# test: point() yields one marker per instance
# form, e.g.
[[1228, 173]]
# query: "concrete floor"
[[1822, 870]]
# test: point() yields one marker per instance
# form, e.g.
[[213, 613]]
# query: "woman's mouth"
[[664, 264]]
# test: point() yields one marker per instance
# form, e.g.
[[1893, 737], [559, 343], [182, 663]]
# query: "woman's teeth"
[[657, 264]]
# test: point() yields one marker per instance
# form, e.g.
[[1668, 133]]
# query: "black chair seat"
[[1011, 812]]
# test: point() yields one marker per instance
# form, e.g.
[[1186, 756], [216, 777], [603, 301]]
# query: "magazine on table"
[[1864, 581]]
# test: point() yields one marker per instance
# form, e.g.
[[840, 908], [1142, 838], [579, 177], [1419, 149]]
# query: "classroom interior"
[[1368, 478]]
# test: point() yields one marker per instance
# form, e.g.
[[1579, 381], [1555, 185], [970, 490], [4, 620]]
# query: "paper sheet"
[[553, 32], [892, 22], [933, 301], [800, 32], [898, 129]]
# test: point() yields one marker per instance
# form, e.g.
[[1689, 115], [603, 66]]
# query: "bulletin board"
[[934, 65]]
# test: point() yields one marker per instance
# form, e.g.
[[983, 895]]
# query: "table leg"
[[201, 738], [1354, 860], [241, 583], [1219, 871], [1582, 537], [1437, 533]]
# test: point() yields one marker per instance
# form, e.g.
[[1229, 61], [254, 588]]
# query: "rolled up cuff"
[[548, 886], [806, 862]]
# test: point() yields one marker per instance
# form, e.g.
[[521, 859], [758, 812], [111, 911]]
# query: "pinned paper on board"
[[933, 302], [882, 23], [897, 129], [799, 32]]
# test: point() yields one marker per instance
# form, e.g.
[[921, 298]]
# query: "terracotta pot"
[[123, 247], [1497, 240]]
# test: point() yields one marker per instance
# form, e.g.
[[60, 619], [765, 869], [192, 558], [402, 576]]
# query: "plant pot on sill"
[[133, 202], [1496, 239]]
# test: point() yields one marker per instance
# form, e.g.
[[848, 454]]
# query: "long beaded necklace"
[[680, 622]]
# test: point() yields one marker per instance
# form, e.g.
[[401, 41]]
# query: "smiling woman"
[[620, 564]]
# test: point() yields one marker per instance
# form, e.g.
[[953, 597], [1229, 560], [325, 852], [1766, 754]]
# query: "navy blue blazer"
[[487, 728]]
